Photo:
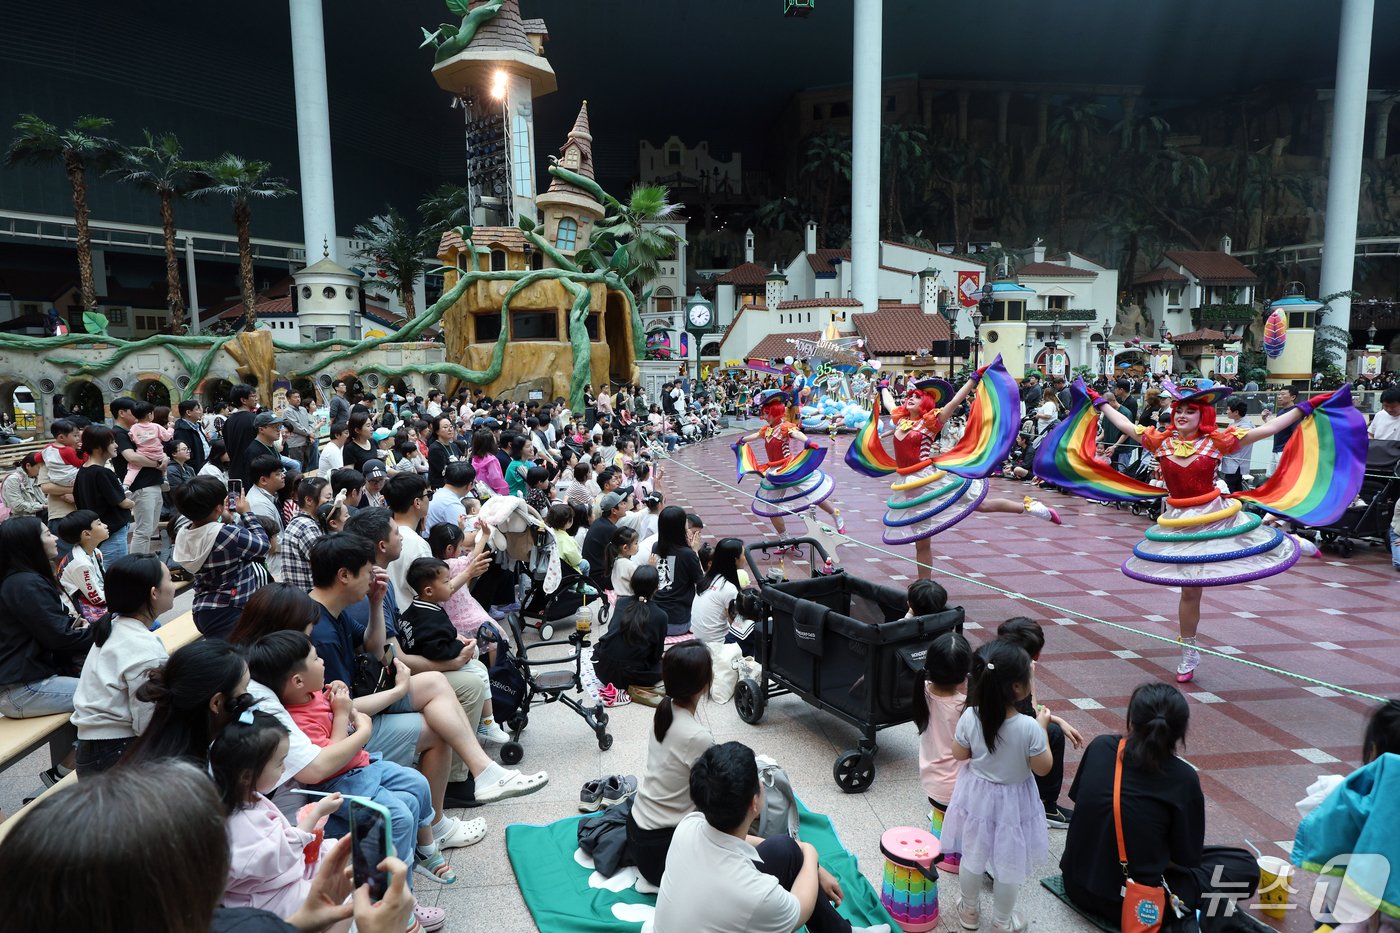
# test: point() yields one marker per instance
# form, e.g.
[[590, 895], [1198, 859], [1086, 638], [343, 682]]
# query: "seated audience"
[[218, 548], [629, 655]]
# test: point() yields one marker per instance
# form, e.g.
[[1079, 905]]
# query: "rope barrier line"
[[1011, 594]]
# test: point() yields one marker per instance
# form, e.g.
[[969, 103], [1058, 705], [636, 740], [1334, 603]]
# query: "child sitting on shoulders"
[[425, 628], [81, 573], [939, 698], [1028, 634], [272, 862]]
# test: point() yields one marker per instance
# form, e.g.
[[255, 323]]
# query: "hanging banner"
[[969, 284], [1227, 364], [1057, 362], [1162, 362]]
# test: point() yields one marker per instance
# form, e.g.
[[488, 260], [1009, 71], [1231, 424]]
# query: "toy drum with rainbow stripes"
[[910, 888]]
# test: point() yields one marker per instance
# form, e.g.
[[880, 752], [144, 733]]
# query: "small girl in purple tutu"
[[995, 819]]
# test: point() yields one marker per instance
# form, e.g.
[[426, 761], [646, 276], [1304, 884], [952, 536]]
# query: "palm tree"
[[79, 147], [828, 166], [395, 253], [160, 166], [242, 181], [447, 207], [903, 149], [630, 239]]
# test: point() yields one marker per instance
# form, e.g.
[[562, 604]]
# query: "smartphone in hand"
[[372, 841], [235, 492]]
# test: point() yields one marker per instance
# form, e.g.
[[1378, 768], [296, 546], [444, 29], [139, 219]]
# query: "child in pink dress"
[[469, 618], [938, 704]]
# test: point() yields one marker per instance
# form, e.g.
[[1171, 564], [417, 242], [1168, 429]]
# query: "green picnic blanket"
[[556, 886]]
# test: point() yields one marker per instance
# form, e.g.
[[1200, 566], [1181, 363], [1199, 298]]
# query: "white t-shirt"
[[1019, 739], [301, 751], [1385, 426], [622, 571], [709, 613], [711, 885], [332, 459], [414, 547]]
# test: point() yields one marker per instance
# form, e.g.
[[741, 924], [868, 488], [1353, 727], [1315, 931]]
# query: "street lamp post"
[[985, 306], [950, 313], [1103, 353]]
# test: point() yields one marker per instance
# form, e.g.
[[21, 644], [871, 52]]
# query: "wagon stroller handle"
[[766, 545]]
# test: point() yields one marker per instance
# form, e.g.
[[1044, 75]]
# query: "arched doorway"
[[153, 391], [307, 387], [215, 391], [83, 397], [22, 406]]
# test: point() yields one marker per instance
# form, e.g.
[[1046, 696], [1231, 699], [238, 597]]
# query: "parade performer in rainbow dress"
[[791, 482], [924, 499], [1203, 537]]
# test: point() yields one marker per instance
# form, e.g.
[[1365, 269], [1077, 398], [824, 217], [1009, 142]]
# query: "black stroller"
[[1369, 520], [540, 610], [843, 644], [523, 675]]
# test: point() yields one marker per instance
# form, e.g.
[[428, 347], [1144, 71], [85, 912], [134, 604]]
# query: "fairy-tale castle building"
[[569, 211]]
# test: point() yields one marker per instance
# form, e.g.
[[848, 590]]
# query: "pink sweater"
[[488, 471], [462, 608], [267, 868]]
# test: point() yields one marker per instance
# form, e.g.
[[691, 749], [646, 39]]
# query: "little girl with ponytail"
[[629, 655], [939, 699], [995, 819]]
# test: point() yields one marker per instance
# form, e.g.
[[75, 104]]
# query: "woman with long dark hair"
[[277, 607], [1163, 812], [713, 608], [196, 693], [679, 569], [106, 712], [359, 446], [42, 639], [677, 739], [629, 655], [98, 489]]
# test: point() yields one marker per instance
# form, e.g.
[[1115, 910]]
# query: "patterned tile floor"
[[1257, 738]]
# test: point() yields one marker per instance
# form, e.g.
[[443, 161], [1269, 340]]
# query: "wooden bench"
[[20, 737], [12, 454]]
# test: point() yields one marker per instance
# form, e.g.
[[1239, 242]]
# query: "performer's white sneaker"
[[840, 523], [1042, 511], [1190, 660]]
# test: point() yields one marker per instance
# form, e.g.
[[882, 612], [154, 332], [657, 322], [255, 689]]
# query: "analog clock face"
[[699, 315]]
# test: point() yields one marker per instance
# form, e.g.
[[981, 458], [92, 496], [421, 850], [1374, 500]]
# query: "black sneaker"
[[1057, 817], [50, 777]]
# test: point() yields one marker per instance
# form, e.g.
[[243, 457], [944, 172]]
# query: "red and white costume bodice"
[[775, 440], [1195, 477], [916, 444]]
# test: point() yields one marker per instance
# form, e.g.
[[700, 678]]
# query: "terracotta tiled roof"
[[776, 346], [819, 303], [899, 329], [750, 273], [1200, 336], [275, 306], [502, 31], [821, 260], [1168, 276], [511, 239], [1213, 267], [1052, 270]]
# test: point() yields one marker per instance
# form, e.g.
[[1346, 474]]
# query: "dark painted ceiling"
[[706, 69]]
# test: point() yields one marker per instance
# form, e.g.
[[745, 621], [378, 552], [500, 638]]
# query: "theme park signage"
[[824, 350], [969, 288]]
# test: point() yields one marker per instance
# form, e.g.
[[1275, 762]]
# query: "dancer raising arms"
[[791, 482], [1203, 538], [924, 500]]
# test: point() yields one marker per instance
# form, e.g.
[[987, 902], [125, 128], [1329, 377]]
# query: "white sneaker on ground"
[[1014, 924], [969, 915], [491, 733]]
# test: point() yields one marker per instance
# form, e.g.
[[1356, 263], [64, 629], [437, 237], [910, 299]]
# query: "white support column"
[[866, 106], [1344, 170], [191, 312], [313, 127]]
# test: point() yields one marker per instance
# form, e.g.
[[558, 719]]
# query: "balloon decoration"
[[1275, 335]]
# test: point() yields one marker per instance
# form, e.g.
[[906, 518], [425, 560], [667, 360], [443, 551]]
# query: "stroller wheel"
[[854, 771], [546, 631], [511, 753], [605, 740], [518, 724], [750, 700]]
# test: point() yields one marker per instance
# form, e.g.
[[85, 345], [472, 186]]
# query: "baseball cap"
[[265, 418], [374, 469], [381, 434], [609, 502]]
